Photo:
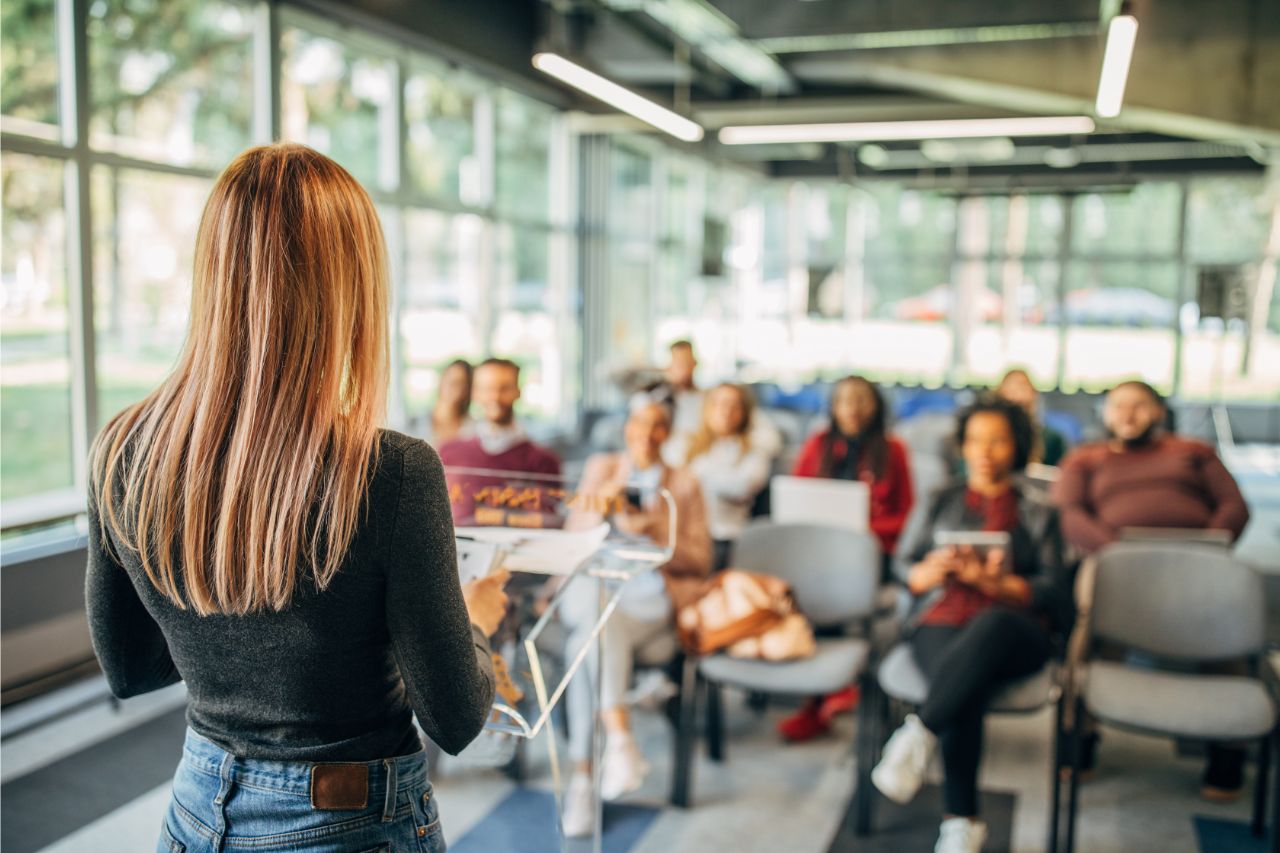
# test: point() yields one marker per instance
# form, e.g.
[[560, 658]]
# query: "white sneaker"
[[900, 772], [961, 835], [652, 688], [624, 767], [579, 806]]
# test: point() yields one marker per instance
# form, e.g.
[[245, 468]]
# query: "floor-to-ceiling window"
[[1082, 289], [117, 117]]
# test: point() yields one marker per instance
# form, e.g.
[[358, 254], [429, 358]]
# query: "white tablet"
[[814, 500]]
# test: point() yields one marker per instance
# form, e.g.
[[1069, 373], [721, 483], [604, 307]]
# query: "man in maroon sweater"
[[1145, 477], [500, 444]]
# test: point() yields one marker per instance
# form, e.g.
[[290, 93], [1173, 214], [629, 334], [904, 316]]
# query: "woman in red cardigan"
[[855, 446]]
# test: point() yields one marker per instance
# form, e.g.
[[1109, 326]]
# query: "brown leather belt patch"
[[339, 786]]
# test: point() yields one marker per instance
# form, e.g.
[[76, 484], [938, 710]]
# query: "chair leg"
[[757, 701], [865, 748], [515, 768], [1260, 787], [715, 722], [686, 739], [1055, 782], [675, 672], [1273, 744], [1077, 759]]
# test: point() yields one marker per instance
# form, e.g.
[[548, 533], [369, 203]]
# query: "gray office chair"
[[901, 679], [833, 574], [1180, 603]]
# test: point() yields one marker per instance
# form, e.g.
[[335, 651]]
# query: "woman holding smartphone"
[[255, 534], [981, 618]]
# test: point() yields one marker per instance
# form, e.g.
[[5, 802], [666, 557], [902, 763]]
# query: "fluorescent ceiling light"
[[870, 131], [617, 96], [1115, 65]]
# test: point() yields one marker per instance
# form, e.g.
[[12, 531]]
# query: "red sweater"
[[1173, 482], [891, 494]]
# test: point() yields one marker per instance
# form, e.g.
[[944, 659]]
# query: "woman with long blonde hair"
[[730, 468], [255, 534]]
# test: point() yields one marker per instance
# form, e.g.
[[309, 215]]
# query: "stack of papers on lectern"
[[545, 552]]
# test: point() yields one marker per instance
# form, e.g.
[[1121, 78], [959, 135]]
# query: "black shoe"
[[1224, 774], [1088, 755]]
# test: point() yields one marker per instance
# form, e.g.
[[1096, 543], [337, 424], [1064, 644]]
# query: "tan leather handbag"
[[748, 615]]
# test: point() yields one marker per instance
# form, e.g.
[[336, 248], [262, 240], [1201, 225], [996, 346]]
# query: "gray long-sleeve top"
[[337, 675]]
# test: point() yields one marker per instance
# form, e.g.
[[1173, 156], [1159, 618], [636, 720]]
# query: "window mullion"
[[73, 52]]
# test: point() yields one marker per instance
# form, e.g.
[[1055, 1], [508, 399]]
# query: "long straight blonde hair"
[[246, 470], [703, 438]]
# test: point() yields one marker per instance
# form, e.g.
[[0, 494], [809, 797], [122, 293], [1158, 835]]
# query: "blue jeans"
[[221, 802]]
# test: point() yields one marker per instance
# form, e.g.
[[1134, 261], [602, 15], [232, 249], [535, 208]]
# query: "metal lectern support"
[[614, 564]]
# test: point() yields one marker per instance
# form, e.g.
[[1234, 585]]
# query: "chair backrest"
[[1066, 423], [833, 573], [789, 423], [606, 432], [929, 472], [1178, 600], [929, 432]]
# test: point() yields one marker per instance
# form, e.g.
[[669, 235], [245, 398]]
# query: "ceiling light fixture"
[[873, 131], [1121, 35], [617, 96]]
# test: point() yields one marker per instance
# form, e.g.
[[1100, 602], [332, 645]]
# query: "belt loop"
[[389, 804]]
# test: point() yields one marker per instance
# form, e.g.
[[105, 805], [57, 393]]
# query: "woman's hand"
[[988, 575], [931, 571], [970, 569], [985, 573], [487, 601]]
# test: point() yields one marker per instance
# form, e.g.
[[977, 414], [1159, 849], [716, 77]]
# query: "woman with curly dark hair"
[[979, 619]]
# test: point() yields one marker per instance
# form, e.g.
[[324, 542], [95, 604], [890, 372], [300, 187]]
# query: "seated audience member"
[[686, 397], [450, 418], [1016, 387], [855, 446], [730, 470], [498, 443], [647, 607], [977, 622], [1144, 476], [687, 401]]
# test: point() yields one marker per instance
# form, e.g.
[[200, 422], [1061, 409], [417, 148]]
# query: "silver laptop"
[[812, 500]]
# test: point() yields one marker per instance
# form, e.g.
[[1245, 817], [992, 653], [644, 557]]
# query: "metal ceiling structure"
[[1201, 94]]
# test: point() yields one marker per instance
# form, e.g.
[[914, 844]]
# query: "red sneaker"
[[805, 724], [840, 702]]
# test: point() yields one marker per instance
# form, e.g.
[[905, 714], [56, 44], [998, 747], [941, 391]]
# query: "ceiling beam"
[[989, 93], [714, 115], [824, 42]]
